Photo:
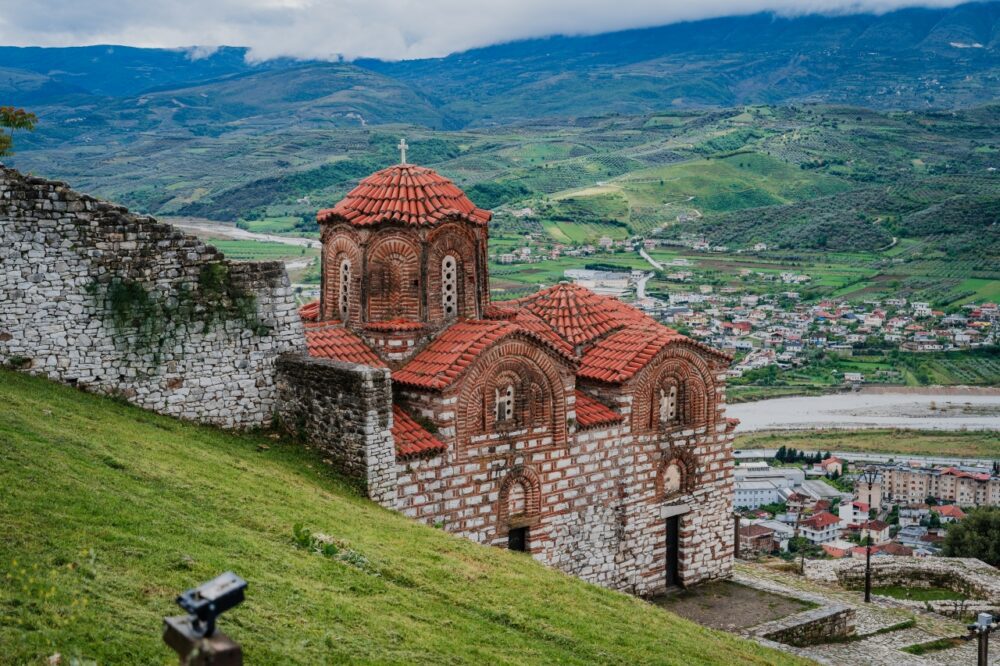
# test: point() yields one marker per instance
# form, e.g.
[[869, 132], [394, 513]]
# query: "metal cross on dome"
[[402, 151]]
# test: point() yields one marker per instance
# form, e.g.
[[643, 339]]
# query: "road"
[[219, 230]]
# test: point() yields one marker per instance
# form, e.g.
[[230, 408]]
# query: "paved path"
[[870, 647]]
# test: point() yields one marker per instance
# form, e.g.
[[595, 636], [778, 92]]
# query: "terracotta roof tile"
[[590, 413], [442, 361], [332, 340], [309, 311], [408, 194], [412, 439], [579, 315], [619, 356]]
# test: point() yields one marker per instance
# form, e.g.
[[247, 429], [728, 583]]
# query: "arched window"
[[669, 412], [505, 403], [345, 288], [449, 286]]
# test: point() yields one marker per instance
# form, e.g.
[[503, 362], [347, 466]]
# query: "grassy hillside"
[[108, 511]]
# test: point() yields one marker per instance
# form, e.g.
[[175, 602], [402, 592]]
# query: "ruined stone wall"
[[601, 513], [118, 303], [345, 410]]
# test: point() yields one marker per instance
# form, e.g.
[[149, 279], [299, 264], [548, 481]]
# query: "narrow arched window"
[[505, 403], [345, 288], [449, 286], [669, 414]]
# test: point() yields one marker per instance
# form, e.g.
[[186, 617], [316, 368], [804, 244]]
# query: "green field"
[[110, 511], [250, 250]]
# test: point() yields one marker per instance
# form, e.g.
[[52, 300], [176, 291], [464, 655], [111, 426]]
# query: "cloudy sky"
[[390, 29]]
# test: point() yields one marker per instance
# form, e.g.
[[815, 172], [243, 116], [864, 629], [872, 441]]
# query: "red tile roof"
[[412, 439], [590, 413], [821, 520], [579, 315], [619, 356], [404, 193], [332, 340], [442, 361], [950, 511], [978, 476], [309, 311]]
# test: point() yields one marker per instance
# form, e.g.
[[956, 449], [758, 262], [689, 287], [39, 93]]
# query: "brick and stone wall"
[[118, 303], [345, 410]]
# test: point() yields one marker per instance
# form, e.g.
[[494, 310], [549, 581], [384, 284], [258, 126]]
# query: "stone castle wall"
[[118, 303], [345, 410]]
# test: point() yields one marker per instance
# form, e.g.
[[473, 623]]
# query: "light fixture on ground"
[[193, 637]]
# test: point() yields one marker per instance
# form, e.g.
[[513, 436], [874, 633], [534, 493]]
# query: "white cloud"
[[391, 29]]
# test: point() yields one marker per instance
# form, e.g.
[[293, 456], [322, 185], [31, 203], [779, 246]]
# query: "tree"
[[781, 454], [14, 119], [978, 535], [935, 520]]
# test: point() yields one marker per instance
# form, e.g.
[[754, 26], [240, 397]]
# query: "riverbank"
[[933, 444], [948, 409]]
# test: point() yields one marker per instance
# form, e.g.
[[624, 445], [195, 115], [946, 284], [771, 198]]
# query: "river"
[[941, 409]]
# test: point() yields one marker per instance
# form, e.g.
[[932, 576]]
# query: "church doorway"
[[673, 551], [517, 539]]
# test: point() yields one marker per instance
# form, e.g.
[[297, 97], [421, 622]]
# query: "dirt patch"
[[729, 606]]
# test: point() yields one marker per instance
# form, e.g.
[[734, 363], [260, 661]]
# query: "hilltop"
[[912, 58], [110, 511]]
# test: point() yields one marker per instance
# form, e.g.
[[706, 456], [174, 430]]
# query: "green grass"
[[110, 511], [934, 646], [251, 250], [978, 444], [919, 593]]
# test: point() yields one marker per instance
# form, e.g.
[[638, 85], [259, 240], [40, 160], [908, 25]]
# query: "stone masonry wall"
[[345, 410], [94, 296]]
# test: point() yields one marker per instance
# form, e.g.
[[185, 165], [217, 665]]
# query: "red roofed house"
[[950, 513], [820, 528], [565, 423]]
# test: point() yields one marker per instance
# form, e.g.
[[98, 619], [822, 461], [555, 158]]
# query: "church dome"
[[407, 194]]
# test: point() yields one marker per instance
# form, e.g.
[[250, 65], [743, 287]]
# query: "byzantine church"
[[565, 424]]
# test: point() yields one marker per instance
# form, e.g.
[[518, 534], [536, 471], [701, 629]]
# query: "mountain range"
[[910, 59]]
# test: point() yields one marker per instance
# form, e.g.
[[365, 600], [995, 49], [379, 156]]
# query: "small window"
[[505, 403], [669, 414], [345, 288], [449, 290]]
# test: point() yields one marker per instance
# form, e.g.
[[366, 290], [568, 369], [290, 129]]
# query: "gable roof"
[[455, 349], [591, 413], [333, 340], [412, 439], [950, 511], [407, 194], [625, 352], [820, 520]]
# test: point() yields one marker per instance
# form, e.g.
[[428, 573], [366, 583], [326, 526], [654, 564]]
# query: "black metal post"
[[984, 648], [868, 570], [736, 536]]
